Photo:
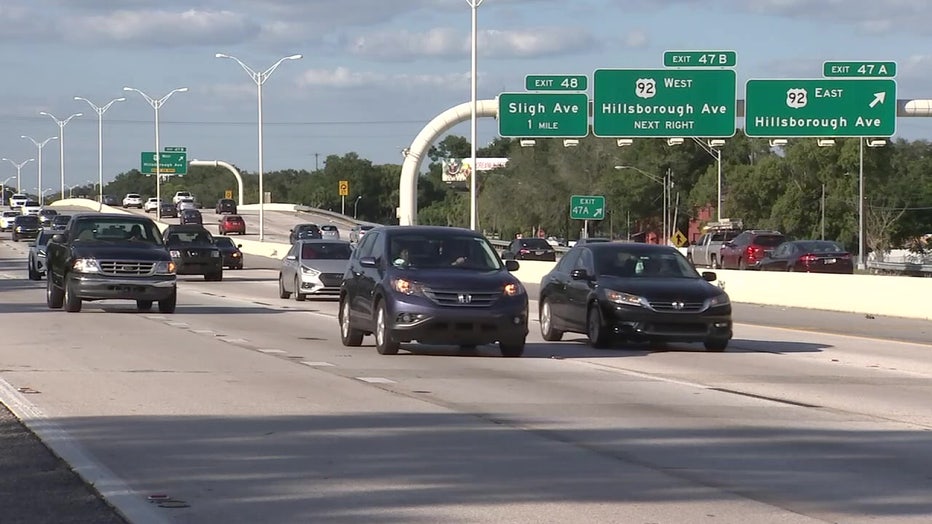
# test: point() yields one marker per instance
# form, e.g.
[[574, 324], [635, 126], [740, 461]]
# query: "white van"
[[18, 200]]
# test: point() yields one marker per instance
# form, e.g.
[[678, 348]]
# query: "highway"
[[243, 407]]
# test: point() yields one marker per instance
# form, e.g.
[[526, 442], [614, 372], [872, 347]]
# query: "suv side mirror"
[[512, 265], [709, 276], [60, 237], [579, 274], [367, 262]]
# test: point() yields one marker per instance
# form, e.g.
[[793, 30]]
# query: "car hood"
[[120, 251], [456, 279], [662, 288], [327, 266]]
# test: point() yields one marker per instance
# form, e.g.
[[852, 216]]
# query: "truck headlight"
[[165, 268], [512, 289], [175, 253], [19, 229], [86, 265], [41, 253], [718, 300], [625, 299]]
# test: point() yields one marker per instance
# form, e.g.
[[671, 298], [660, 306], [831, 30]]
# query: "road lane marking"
[[317, 364], [376, 380]]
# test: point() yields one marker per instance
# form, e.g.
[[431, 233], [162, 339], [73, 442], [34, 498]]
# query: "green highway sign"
[[554, 115], [169, 163], [556, 82], [170, 149], [700, 58], [820, 107], [587, 207], [858, 69], [637, 103]]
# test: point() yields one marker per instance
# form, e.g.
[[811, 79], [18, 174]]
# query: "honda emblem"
[[464, 298], [678, 305]]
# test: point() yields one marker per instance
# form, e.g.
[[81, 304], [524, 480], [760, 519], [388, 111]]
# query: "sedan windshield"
[[659, 264], [432, 250]]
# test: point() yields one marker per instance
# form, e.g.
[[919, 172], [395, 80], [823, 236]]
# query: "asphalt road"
[[243, 407]]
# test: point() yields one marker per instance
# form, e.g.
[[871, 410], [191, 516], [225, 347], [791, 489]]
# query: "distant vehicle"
[[37, 257], [31, 207], [132, 200], [304, 231], [226, 205], [231, 224], [60, 222], [313, 267], [190, 216], [6, 219], [152, 204], [18, 200], [193, 251], [356, 233], [181, 195], [25, 226], [110, 200], [329, 232], [530, 249], [167, 209], [230, 252], [591, 240], [707, 249], [633, 292], [186, 203], [107, 256], [46, 215], [433, 285], [749, 248], [809, 256]]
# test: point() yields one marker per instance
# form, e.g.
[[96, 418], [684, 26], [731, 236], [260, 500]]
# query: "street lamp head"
[[44, 113], [294, 57], [181, 89], [121, 99], [221, 55], [129, 89]]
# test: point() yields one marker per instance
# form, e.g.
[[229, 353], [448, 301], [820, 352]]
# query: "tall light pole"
[[19, 168], [356, 207], [100, 110], [156, 105], [665, 182], [473, 186], [61, 143], [39, 146], [259, 78], [714, 148], [861, 258]]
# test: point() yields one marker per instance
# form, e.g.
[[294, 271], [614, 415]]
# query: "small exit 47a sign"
[[587, 207]]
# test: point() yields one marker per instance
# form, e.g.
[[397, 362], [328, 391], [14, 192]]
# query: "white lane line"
[[130, 504], [204, 332], [234, 340], [272, 351], [155, 317], [178, 324], [317, 364], [376, 380]]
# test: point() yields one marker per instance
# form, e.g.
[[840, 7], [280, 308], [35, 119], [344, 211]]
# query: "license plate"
[[539, 252], [830, 260]]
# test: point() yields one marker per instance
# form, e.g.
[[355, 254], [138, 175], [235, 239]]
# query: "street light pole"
[[156, 105], [61, 143], [19, 168], [356, 207], [39, 146], [474, 173], [713, 147], [259, 78], [100, 110], [861, 203]]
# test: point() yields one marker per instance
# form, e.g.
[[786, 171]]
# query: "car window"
[[378, 248], [224, 242], [190, 237], [568, 261], [535, 243], [328, 228], [769, 240], [585, 261], [365, 246], [654, 264], [437, 249], [117, 230], [325, 251]]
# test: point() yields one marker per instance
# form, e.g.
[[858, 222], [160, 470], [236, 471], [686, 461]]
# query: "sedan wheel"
[[348, 335], [384, 343], [546, 323], [282, 293], [595, 329], [298, 295]]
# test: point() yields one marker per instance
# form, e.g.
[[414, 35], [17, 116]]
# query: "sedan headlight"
[[407, 287], [41, 253], [309, 271], [718, 300], [86, 265], [175, 253], [625, 299], [512, 289], [165, 268]]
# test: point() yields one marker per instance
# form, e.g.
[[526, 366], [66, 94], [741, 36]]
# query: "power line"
[[247, 123]]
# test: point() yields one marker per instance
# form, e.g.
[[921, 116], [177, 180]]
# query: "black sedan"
[[809, 256], [636, 292], [230, 252]]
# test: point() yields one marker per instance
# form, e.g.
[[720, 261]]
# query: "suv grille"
[[463, 298], [124, 268], [676, 306]]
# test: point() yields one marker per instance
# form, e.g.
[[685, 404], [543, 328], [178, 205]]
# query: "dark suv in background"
[[226, 205], [530, 249], [750, 247], [433, 285]]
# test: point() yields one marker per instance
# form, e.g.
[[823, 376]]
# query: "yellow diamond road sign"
[[679, 238]]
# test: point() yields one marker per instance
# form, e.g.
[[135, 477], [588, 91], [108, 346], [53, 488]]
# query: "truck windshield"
[[116, 230]]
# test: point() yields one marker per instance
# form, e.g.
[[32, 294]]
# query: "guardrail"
[[900, 268]]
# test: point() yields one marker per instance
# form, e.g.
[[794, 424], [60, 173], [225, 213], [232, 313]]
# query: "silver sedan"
[[313, 267]]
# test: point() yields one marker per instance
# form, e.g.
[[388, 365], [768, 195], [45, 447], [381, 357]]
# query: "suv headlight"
[[407, 287], [175, 253], [512, 289], [86, 265], [625, 299], [718, 300], [165, 268], [309, 271]]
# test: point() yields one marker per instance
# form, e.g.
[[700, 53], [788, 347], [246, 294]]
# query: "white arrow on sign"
[[597, 212], [879, 98]]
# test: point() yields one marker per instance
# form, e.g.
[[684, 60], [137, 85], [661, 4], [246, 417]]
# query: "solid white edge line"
[[128, 503]]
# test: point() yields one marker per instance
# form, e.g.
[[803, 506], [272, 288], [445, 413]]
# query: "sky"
[[374, 72]]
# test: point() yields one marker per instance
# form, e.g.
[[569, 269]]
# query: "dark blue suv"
[[433, 285]]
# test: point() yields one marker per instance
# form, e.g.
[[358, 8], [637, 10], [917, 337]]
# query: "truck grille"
[[126, 268], [676, 306], [463, 298]]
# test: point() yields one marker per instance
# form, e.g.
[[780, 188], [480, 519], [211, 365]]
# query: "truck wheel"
[[53, 295], [167, 305], [72, 302], [714, 263], [144, 305]]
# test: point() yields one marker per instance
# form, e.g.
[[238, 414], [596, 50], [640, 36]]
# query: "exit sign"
[[587, 207], [556, 82], [851, 69]]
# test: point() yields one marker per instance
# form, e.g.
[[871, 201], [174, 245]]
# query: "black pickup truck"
[[110, 256]]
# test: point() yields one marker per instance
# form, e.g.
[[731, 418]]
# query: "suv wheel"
[[546, 323], [348, 335], [72, 301], [53, 296], [512, 348], [168, 305], [144, 305], [384, 343]]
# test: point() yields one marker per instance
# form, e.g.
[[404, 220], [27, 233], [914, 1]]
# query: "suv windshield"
[[535, 243], [190, 237], [27, 220], [117, 230], [442, 250]]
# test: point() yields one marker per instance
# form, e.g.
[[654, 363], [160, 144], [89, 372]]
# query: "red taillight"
[[754, 253], [846, 256], [524, 251], [808, 259]]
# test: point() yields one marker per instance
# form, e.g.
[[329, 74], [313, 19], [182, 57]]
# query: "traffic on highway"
[[269, 404]]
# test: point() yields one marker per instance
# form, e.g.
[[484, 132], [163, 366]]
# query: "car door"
[[357, 290], [372, 276], [289, 265], [554, 286], [578, 291]]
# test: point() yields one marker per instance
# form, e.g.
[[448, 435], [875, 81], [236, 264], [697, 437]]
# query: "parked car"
[[530, 249], [230, 252], [749, 248], [304, 231], [226, 205], [151, 205], [37, 256], [25, 226], [810, 256], [434, 285], [190, 216], [329, 232], [356, 232], [45, 216], [232, 224], [60, 222], [6, 219], [167, 209], [633, 291], [313, 267], [193, 251], [132, 200]]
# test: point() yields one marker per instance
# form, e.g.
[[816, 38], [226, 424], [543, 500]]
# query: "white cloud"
[[636, 38], [174, 28], [344, 78]]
